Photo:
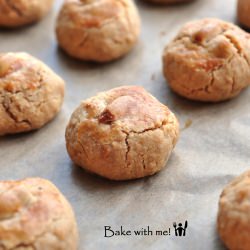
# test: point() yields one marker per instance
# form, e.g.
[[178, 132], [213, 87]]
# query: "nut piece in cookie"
[[121, 134], [209, 60], [31, 94], [243, 10], [15, 13], [234, 213], [35, 215], [100, 31]]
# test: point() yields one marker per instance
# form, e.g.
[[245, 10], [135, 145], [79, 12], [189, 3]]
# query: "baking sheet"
[[212, 149]]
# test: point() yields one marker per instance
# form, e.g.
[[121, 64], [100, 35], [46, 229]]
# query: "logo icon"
[[180, 230]]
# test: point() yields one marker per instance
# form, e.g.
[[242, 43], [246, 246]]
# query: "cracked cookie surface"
[[14, 13], [124, 133], [31, 94], [35, 215], [234, 213], [101, 31], [209, 60]]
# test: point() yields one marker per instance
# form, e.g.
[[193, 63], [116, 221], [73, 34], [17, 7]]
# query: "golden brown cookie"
[[234, 213], [124, 133], [35, 215], [14, 13], [243, 12], [100, 31], [31, 94], [208, 61]]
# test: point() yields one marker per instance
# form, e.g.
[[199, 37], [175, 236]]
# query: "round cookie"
[[100, 31], [243, 11], [30, 93], [121, 134], [234, 213], [208, 61], [14, 13], [35, 215], [168, 1]]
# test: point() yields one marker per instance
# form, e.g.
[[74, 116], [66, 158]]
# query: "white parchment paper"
[[211, 151]]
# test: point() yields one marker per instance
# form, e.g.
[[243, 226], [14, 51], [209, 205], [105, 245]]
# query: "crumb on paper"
[[188, 123]]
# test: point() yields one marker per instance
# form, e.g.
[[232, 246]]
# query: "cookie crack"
[[164, 122], [14, 8], [127, 145], [23, 245], [83, 149], [13, 117], [83, 41], [233, 84], [8, 112], [126, 140], [239, 51], [40, 87], [143, 163]]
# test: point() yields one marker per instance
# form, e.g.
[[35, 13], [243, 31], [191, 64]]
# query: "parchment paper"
[[210, 152]]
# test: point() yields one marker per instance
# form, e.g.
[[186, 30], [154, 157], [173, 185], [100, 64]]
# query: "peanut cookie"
[[208, 61], [234, 213], [100, 31], [124, 133], [14, 13], [30, 93], [35, 215]]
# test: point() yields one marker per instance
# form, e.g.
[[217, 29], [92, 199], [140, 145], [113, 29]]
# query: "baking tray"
[[213, 147]]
